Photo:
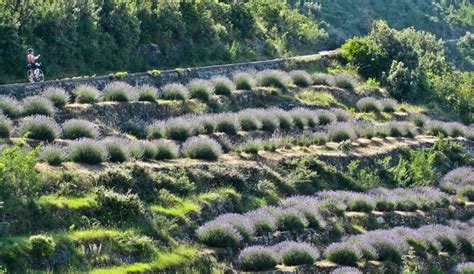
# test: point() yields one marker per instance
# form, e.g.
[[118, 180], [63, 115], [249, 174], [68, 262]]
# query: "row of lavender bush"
[[370, 104], [300, 212], [459, 181], [383, 245], [115, 149]]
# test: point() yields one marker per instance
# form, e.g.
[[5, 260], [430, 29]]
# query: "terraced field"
[[298, 171]]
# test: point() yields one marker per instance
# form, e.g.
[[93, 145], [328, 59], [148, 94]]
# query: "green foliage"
[[343, 256], [257, 260], [41, 246], [18, 175], [119, 207], [295, 256], [154, 73], [86, 94], [5, 127], [87, 153], [290, 221]]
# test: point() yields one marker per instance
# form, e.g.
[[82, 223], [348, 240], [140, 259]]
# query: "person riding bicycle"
[[31, 58], [34, 73]]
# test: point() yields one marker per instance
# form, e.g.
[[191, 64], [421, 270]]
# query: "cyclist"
[[31, 58]]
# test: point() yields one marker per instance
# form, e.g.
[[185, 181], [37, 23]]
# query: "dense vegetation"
[[97, 37]]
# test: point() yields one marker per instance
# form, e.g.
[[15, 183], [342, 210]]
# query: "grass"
[[320, 98], [182, 255], [67, 202], [180, 210], [94, 234]]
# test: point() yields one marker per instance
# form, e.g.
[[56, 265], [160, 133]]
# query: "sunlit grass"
[[320, 98], [180, 210], [67, 202]]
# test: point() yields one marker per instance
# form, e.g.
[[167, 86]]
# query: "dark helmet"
[[30, 50]]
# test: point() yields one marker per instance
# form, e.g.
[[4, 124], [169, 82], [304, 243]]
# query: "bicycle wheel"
[[29, 74], [39, 75]]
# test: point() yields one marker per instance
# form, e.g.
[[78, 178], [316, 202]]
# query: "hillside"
[[98, 37], [358, 160]]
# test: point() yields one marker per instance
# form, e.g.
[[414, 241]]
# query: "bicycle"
[[35, 74]]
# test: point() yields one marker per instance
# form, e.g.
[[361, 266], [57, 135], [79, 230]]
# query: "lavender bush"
[[200, 89], [58, 96], [301, 78], [166, 150], [248, 122], [257, 258], [273, 78], [284, 118], [78, 128], [322, 79], [369, 104], [244, 81], [364, 129], [341, 115], [174, 92], [459, 181], [147, 93], [117, 149], [217, 234], [202, 148], [5, 126], [227, 123], [346, 270], [456, 129], [53, 155], [436, 128], [294, 253], [343, 254], [339, 132], [268, 122], [9, 107], [143, 150], [87, 151], [37, 105], [155, 130], [418, 119], [389, 105], [39, 127], [325, 117], [345, 81], [178, 129], [85, 94], [119, 92], [223, 85]]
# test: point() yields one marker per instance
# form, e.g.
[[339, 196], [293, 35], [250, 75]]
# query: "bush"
[[86, 94], [200, 89], [301, 78], [341, 115], [143, 150], [418, 119], [119, 92], [37, 105], [166, 150], [389, 105], [284, 119], [360, 205], [40, 127], [387, 251], [299, 119], [5, 127], [223, 85], [322, 79], [257, 258], [273, 78], [174, 92], [293, 253], [248, 122], [384, 205], [436, 128], [53, 155], [155, 130], [119, 207], [290, 221], [268, 122], [346, 270], [147, 93], [87, 151], [341, 132], [219, 235], [227, 123], [41, 246], [456, 129], [244, 81], [9, 107], [58, 96], [344, 81], [325, 117], [177, 129], [117, 149], [369, 104], [78, 128], [342, 254], [202, 148], [205, 125]]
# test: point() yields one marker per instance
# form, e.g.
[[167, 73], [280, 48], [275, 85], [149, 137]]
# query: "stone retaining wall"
[[171, 76]]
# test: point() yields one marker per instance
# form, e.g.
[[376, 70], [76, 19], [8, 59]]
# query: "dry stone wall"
[[22, 90]]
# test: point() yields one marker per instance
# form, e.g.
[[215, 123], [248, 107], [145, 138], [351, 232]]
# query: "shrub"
[[456, 129], [202, 148], [87, 151], [364, 129], [311, 118], [37, 105], [342, 254], [155, 130], [322, 79], [418, 119], [346, 270], [117, 149], [290, 221], [78, 128], [251, 147], [248, 122], [299, 119], [273, 78], [244, 81], [200, 89], [119, 92], [166, 150], [147, 93], [284, 119], [118, 207], [301, 78], [9, 107], [369, 104], [177, 129], [135, 129], [41, 246], [436, 128], [406, 205], [341, 131], [344, 81], [293, 253], [360, 205], [53, 155], [5, 127], [268, 122], [387, 251], [205, 125], [40, 127], [174, 92], [143, 150], [219, 235], [389, 105], [341, 115], [86, 94], [58, 96], [325, 117], [227, 123], [223, 85], [384, 205], [257, 258]]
